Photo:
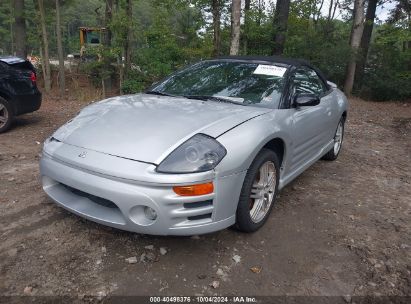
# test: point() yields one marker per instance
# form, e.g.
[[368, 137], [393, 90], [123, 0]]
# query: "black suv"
[[18, 90]]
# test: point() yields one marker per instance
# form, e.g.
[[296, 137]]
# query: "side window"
[[317, 83], [307, 81], [302, 83]]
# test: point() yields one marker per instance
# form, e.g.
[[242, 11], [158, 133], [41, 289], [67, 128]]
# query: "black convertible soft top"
[[277, 59], [271, 59]]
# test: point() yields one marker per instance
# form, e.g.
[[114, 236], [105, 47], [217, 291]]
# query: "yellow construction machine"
[[91, 37]]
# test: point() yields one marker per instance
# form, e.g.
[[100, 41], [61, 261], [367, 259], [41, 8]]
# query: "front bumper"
[[119, 202]]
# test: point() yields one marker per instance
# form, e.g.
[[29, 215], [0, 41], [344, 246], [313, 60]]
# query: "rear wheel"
[[338, 139], [258, 193], [6, 115]]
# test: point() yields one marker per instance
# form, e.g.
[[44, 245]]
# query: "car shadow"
[[25, 120]]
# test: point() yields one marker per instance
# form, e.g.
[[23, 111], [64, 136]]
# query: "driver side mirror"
[[306, 100]]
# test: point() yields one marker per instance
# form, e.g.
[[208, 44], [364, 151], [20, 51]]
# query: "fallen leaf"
[[256, 269]]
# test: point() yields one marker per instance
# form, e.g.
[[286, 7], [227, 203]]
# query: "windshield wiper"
[[159, 93], [201, 97], [214, 98]]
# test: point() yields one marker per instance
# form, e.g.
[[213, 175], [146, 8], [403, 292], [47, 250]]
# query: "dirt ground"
[[341, 229]]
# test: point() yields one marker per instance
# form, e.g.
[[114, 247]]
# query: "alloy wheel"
[[338, 138], [4, 115], [262, 192]]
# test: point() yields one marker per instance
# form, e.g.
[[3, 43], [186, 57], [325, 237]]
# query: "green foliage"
[[315, 42], [168, 34], [5, 22], [167, 39], [388, 72], [259, 31], [99, 63], [135, 83]]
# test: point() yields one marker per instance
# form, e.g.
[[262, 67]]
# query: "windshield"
[[240, 82]]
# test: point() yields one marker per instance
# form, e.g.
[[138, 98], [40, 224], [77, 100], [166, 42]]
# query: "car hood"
[[147, 128]]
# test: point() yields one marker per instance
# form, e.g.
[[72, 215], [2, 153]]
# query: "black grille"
[[96, 199], [199, 217], [198, 204]]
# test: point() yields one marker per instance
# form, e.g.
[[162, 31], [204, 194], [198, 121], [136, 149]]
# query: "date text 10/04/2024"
[[203, 299]]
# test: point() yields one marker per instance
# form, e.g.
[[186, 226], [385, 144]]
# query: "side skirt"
[[291, 176]]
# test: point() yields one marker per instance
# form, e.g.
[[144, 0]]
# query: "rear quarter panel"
[[341, 103]]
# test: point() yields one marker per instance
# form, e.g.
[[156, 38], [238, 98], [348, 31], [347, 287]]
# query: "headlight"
[[198, 154]]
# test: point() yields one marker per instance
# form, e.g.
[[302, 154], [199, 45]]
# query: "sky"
[[381, 13]]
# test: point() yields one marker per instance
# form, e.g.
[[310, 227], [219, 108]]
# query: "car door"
[[309, 122], [327, 102]]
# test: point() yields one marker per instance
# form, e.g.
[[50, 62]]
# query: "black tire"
[[243, 218], [6, 115], [332, 154]]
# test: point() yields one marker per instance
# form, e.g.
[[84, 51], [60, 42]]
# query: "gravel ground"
[[341, 228]]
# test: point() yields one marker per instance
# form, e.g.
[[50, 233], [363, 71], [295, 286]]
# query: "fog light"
[[150, 213]]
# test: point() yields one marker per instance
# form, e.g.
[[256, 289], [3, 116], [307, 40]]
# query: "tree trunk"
[[62, 83], [11, 28], [20, 29], [260, 11], [121, 73], [355, 40], [43, 69], [45, 59], [235, 27], [317, 12], [127, 47], [107, 21], [215, 7], [332, 9], [329, 26], [106, 81], [246, 24], [365, 42], [337, 4], [282, 10]]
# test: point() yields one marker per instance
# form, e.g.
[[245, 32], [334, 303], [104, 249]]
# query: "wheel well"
[[13, 105], [4, 96], [277, 145]]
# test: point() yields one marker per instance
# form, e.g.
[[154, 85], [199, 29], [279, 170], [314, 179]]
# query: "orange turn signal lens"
[[194, 190]]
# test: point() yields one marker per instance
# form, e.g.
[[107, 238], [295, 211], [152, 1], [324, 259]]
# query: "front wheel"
[[338, 139], [258, 193], [6, 115]]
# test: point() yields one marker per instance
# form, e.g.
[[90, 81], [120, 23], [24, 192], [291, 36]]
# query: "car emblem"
[[82, 154]]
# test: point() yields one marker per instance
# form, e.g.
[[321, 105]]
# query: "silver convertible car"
[[207, 148]]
